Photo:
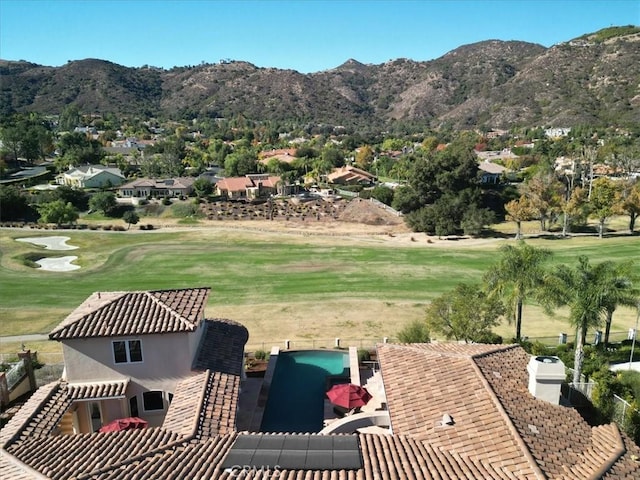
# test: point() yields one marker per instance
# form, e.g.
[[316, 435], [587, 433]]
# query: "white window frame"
[[127, 351]]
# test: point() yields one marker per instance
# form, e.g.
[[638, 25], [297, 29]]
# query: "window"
[[127, 351], [133, 406], [153, 400]]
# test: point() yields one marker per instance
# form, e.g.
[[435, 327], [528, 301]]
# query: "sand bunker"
[[50, 243], [58, 264], [53, 264]]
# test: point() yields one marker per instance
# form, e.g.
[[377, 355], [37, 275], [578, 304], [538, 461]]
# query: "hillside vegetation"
[[590, 80]]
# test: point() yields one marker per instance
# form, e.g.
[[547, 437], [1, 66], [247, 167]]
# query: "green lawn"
[[278, 285]]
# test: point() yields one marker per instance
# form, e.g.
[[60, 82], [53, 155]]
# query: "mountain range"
[[590, 80]]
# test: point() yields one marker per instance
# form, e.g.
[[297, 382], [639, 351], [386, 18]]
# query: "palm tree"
[[588, 291], [518, 274], [621, 289]]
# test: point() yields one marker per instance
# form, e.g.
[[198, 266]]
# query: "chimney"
[[546, 375]]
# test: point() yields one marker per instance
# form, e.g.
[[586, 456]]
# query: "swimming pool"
[[296, 396]]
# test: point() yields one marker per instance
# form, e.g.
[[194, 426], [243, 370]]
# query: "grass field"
[[307, 288]]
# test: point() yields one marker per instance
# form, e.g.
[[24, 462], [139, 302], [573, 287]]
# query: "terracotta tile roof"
[[106, 314], [70, 456], [204, 405], [563, 444], [87, 391], [222, 347], [424, 382], [39, 417]]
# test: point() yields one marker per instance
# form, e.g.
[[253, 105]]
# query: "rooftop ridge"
[[510, 426], [618, 450], [171, 311], [197, 418], [80, 312]]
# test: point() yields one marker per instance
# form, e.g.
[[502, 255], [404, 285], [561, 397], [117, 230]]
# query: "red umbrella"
[[348, 395], [130, 423]]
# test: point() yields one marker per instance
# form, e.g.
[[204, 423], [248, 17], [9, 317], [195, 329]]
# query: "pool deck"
[[254, 393]]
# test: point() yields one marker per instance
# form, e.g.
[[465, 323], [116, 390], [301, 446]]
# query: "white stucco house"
[[91, 176]]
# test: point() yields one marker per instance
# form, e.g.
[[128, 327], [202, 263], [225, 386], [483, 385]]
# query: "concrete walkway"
[[31, 337]]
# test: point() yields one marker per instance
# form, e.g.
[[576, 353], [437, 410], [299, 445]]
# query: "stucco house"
[[249, 187], [491, 172], [456, 411], [91, 176], [158, 188], [350, 175]]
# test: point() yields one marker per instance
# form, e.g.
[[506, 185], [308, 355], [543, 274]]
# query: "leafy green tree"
[[465, 314], [474, 219], [405, 199], [382, 194], [57, 212], [14, 205], [364, 157], [574, 209], [240, 163], [130, 217], [76, 149], [544, 193], [202, 187], [104, 202], [518, 275], [415, 331], [603, 201], [78, 198], [629, 202], [519, 211]]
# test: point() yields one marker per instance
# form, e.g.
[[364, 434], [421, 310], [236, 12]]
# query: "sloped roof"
[[498, 425], [106, 314], [348, 173], [95, 390]]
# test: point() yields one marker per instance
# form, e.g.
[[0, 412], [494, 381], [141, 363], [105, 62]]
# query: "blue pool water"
[[296, 396]]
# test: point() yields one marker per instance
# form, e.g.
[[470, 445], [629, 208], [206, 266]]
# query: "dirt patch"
[[364, 211]]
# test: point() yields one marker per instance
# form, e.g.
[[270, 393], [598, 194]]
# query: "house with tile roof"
[[158, 188], [250, 186], [350, 175], [456, 411]]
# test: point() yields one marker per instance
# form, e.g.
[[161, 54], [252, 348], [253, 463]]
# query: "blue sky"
[[304, 35]]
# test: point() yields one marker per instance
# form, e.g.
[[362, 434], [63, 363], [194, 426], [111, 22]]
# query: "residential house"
[[249, 187], [91, 176], [455, 411], [350, 175], [151, 187], [491, 172]]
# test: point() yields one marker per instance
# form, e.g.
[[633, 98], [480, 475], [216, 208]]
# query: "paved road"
[[25, 338]]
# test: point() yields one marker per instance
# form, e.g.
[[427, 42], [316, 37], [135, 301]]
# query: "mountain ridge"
[[593, 79]]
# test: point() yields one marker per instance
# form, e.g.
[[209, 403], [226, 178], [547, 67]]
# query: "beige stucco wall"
[[166, 359]]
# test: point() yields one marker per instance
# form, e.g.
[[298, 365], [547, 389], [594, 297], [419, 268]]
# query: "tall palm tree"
[[518, 274], [621, 289], [588, 291]]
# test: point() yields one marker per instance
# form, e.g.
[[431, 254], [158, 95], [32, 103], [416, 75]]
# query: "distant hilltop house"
[[249, 187], [91, 176], [158, 188], [350, 175], [557, 132]]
